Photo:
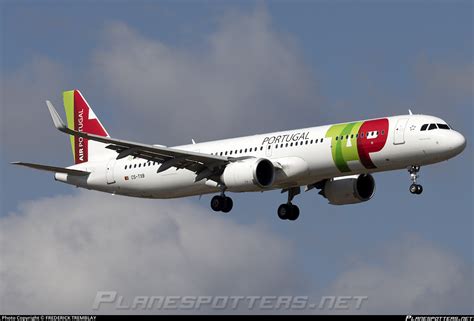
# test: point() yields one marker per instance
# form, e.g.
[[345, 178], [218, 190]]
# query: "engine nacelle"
[[349, 190], [249, 175]]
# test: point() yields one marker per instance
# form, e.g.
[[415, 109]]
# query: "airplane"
[[338, 160]]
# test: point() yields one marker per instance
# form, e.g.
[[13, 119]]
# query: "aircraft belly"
[[168, 184]]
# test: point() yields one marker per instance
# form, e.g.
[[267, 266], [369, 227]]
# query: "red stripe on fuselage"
[[371, 144]]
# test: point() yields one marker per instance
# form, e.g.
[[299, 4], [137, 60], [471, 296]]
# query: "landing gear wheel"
[[416, 189], [295, 213], [284, 211], [228, 204], [419, 189], [217, 202], [288, 212], [222, 204]]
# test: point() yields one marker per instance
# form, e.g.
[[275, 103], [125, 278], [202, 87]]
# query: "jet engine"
[[248, 175], [349, 189]]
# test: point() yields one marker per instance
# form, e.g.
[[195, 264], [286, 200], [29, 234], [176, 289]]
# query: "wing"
[[204, 165]]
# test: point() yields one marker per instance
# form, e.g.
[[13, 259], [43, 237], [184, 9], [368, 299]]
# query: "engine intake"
[[349, 190], [249, 175]]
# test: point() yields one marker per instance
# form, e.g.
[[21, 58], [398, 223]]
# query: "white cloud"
[[56, 253], [409, 276], [245, 77]]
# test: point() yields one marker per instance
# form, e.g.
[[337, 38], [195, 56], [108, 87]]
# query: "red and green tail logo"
[[356, 141], [80, 117]]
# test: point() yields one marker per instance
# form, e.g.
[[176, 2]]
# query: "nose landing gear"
[[414, 187]]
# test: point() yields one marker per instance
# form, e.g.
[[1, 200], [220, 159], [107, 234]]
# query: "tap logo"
[[356, 141], [81, 118]]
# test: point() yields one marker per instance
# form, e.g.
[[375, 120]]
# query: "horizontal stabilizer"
[[53, 169]]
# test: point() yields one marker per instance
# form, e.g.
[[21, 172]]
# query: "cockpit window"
[[443, 126], [432, 126], [424, 127]]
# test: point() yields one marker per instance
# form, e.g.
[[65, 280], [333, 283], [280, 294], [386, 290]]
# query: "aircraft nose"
[[458, 142]]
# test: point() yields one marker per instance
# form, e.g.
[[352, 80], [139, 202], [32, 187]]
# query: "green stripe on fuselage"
[[344, 150], [68, 99]]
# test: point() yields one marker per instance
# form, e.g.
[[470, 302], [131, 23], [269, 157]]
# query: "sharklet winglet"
[[58, 122]]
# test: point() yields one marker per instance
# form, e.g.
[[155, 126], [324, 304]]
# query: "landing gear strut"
[[222, 203], [289, 211], [414, 187]]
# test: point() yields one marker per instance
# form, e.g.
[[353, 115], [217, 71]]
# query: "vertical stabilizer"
[[82, 118]]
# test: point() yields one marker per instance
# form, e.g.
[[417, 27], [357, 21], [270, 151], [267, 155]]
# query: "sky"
[[166, 72]]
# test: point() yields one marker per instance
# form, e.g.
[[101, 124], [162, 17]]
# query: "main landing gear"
[[414, 187], [289, 211], [221, 203]]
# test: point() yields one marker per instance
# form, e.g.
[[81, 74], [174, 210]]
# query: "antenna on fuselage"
[[409, 111]]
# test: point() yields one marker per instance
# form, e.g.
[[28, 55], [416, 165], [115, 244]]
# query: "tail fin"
[[81, 117]]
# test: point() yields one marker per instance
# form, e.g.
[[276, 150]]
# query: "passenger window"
[[432, 126], [301, 143], [337, 137], [321, 140], [261, 148], [316, 141], [306, 143], [383, 132], [361, 134], [443, 126], [269, 146], [352, 136], [125, 166], [246, 150], [241, 151], [286, 145], [311, 141], [347, 136], [281, 145], [230, 153]]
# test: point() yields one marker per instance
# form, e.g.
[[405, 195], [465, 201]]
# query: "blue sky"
[[165, 72]]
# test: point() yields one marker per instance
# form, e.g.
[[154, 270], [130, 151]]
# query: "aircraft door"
[[399, 133], [110, 171]]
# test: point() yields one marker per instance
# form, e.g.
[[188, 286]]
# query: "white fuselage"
[[303, 157]]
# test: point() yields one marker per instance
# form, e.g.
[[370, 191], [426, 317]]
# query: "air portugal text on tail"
[[338, 160], [81, 118]]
